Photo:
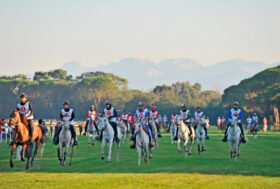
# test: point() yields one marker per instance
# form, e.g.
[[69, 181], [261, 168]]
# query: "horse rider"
[[249, 121], [111, 113], [25, 109], [155, 115], [165, 119], [142, 115], [235, 111], [174, 118], [255, 119], [66, 112], [186, 115], [197, 115], [125, 118], [91, 115]]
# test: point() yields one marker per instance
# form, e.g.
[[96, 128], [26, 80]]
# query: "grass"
[[257, 167]]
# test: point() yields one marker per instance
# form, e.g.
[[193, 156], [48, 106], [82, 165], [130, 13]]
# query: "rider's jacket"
[[67, 113], [124, 117], [141, 115], [173, 117], [233, 112], [197, 115], [185, 114], [165, 119], [154, 115], [111, 114], [255, 119], [26, 109], [249, 120], [91, 115]]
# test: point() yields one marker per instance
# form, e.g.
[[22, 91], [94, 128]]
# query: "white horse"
[[65, 140], [200, 134], [91, 130], [154, 132], [124, 130], [183, 135], [142, 143], [108, 137], [234, 137], [172, 130]]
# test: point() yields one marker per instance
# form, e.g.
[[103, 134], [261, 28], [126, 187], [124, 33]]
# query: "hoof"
[[26, 167], [190, 154], [108, 161], [11, 165], [22, 159], [102, 157], [180, 150]]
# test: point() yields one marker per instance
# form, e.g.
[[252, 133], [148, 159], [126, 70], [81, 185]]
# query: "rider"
[[173, 117], [125, 118], [154, 115], [66, 112], [143, 116], [197, 115], [112, 115], [249, 121], [25, 109], [185, 114], [165, 119], [235, 111], [91, 115], [255, 119]]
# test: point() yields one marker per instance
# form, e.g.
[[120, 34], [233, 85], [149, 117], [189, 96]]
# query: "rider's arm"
[[240, 116], [61, 116], [72, 116], [115, 113], [229, 115], [30, 113]]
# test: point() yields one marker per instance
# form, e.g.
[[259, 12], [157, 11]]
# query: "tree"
[[57, 74]]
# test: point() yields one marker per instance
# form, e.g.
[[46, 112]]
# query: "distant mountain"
[[145, 74]]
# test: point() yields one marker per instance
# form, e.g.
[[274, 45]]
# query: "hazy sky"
[[42, 35]]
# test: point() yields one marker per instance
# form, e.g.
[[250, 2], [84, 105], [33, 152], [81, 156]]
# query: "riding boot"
[[73, 133], [190, 129], [150, 142], [206, 133], [243, 140], [86, 127], [31, 129], [56, 135], [225, 136], [134, 144], [176, 136]]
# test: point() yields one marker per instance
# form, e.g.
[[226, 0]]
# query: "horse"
[[22, 137], [125, 131], [172, 130], [65, 140], [254, 130], [91, 130], [108, 137], [142, 143], [183, 135], [154, 132], [200, 134], [234, 137]]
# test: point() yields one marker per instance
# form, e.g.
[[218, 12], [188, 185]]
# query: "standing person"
[[80, 128], [91, 116], [26, 111], [238, 112], [111, 113], [51, 128], [142, 115], [219, 122], [155, 116], [197, 115], [186, 115], [67, 112], [249, 122], [264, 124]]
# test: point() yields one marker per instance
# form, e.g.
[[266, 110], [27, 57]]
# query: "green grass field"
[[257, 167]]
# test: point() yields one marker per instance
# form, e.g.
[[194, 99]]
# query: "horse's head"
[[14, 118], [180, 122], [234, 120], [202, 121], [103, 122], [137, 126]]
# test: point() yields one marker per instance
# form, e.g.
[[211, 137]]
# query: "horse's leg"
[[190, 149], [147, 152], [35, 152], [139, 155], [110, 150], [198, 145], [22, 152], [186, 147], [117, 153], [102, 148], [203, 144], [42, 150], [12, 153], [28, 156], [88, 134], [178, 145], [93, 138], [71, 155], [58, 153], [65, 153]]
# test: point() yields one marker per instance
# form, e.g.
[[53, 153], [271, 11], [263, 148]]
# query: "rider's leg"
[[134, 140], [190, 129], [56, 135], [150, 136], [31, 129], [158, 129], [243, 140], [86, 127], [73, 133], [225, 136], [115, 127], [96, 128], [176, 136]]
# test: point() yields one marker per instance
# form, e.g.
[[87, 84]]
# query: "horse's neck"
[[108, 128]]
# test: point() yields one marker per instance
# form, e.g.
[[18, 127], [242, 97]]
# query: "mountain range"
[[144, 74]]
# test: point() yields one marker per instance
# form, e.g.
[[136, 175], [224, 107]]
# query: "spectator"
[[80, 128], [264, 124]]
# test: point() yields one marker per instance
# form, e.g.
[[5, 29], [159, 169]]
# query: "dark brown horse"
[[22, 137]]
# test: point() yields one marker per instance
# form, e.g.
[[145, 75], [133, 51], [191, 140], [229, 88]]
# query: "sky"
[[43, 35]]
